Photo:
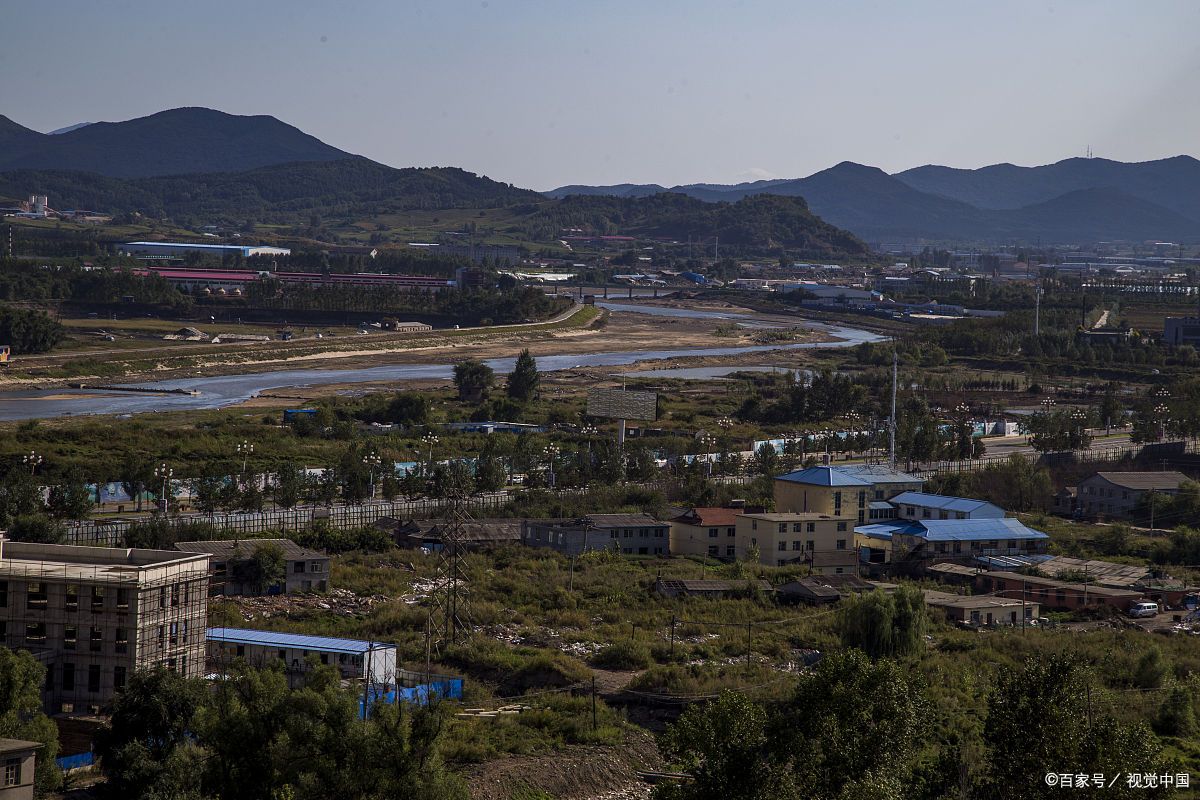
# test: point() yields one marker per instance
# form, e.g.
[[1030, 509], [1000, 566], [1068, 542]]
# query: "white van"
[[1144, 609]]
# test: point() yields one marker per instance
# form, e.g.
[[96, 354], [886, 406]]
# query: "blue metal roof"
[[885, 530], [294, 641], [944, 530], [940, 501], [877, 473], [822, 476]]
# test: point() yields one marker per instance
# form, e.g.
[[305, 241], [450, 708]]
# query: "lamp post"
[[244, 450], [706, 444], [164, 473], [1163, 413], [372, 462], [430, 440], [551, 452], [33, 460]]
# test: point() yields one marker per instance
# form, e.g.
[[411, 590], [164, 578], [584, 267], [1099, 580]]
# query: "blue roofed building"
[[915, 544], [846, 491], [920, 505], [354, 659]]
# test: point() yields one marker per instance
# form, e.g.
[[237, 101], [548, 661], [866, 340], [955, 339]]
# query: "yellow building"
[[844, 492], [706, 532], [822, 542]]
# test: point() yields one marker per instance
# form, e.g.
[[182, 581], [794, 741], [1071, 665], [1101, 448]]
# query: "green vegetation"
[[21, 717]]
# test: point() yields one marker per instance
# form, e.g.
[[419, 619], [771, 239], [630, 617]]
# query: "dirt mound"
[[573, 773]]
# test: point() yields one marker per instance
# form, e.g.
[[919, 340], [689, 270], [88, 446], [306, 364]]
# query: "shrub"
[[623, 654]]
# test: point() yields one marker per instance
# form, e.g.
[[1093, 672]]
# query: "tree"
[[885, 625], [523, 380], [206, 492], [490, 474], [19, 496], [37, 528], [766, 460], [71, 499], [144, 749], [1041, 719], [1176, 715], [408, 408], [21, 717], [136, 475], [264, 569], [472, 379], [251, 498], [289, 485]]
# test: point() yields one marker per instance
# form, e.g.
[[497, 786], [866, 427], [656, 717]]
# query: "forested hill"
[[760, 221], [280, 193]]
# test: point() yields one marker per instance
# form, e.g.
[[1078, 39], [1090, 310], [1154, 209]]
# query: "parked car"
[[1145, 609]]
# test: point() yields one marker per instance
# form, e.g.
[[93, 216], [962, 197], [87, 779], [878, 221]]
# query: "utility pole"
[[1037, 310], [892, 421]]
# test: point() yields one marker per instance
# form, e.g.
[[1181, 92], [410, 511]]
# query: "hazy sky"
[[592, 91]]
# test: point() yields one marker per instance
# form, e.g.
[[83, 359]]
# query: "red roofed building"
[[706, 532]]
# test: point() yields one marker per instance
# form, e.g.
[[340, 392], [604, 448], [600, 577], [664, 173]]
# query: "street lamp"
[[430, 440], [551, 452], [163, 472], [33, 460], [706, 444], [245, 449], [1163, 413], [372, 462]]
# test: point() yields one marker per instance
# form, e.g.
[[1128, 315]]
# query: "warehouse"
[[300, 654], [152, 250]]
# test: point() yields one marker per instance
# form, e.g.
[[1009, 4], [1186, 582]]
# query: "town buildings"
[[823, 543], [842, 491], [629, 534], [1118, 494], [18, 760], [374, 662], [230, 566], [94, 615], [1178, 331], [977, 610], [705, 532]]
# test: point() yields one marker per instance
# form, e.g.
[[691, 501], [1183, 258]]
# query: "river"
[[227, 390]]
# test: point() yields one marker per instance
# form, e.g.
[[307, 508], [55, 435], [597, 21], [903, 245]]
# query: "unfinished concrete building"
[[94, 615]]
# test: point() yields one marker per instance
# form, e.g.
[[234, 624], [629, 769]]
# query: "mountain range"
[[203, 163], [1079, 200]]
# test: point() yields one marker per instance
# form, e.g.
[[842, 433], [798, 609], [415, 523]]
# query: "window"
[[797, 544], [660, 533], [712, 533], [627, 533], [862, 499], [162, 637], [615, 534], [841, 544], [958, 547], [96, 640], [810, 528], [71, 603], [298, 567], [162, 597], [712, 550], [12, 772], [838, 570], [782, 545], [70, 636], [35, 595], [174, 637], [240, 652], [939, 547], [658, 551], [837, 504], [118, 678], [35, 632], [68, 677], [731, 531], [315, 566], [283, 655], [97, 598], [797, 527], [783, 527], [642, 551], [122, 640], [730, 550], [809, 544], [3, 594], [753, 524], [49, 687], [841, 526], [175, 596]]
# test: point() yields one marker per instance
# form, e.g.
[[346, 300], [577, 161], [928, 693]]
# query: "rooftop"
[[91, 564], [788, 516], [226, 549], [709, 516], [940, 501], [622, 520], [1051, 583], [17, 745], [1143, 481], [949, 530], [295, 641], [947, 600], [848, 475]]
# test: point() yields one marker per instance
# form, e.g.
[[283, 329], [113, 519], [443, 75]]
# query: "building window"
[[642, 551], [283, 655], [614, 534], [627, 533], [841, 544], [797, 544], [315, 566], [35, 632], [730, 550], [3, 594], [712, 550], [712, 533], [68, 677], [35, 596], [810, 528], [70, 636], [175, 596], [731, 531], [783, 527], [797, 527], [841, 526], [123, 599], [809, 544], [658, 551], [12, 772], [122, 640], [240, 651], [96, 640], [782, 545], [97, 598], [660, 533], [837, 504], [71, 603], [118, 678], [298, 567], [174, 637]]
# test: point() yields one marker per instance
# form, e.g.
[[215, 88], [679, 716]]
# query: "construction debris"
[[342, 602]]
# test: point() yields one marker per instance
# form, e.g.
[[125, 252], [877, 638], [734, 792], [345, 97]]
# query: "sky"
[[541, 93]]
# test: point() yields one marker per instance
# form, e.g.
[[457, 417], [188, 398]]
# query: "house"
[[370, 661], [842, 491], [978, 610], [920, 505], [705, 532], [630, 534], [230, 561], [668, 587], [1178, 331], [823, 589], [475, 534], [823, 543], [1052, 593], [1117, 494], [17, 760], [918, 543], [95, 615]]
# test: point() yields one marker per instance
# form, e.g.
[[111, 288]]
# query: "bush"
[[37, 528], [624, 654]]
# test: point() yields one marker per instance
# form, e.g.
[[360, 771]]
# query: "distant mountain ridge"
[[1072, 201], [174, 142]]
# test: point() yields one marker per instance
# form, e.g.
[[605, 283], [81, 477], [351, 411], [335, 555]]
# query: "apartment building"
[[94, 615], [1119, 494], [705, 532], [825, 544], [629, 534], [845, 491]]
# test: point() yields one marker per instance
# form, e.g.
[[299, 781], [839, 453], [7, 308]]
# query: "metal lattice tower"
[[449, 620]]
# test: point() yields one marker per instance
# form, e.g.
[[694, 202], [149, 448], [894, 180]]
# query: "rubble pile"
[[342, 602]]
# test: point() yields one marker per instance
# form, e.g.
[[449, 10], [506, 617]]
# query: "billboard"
[[619, 404]]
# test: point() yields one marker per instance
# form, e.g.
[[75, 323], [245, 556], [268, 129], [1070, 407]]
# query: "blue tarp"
[[423, 694], [77, 761]]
